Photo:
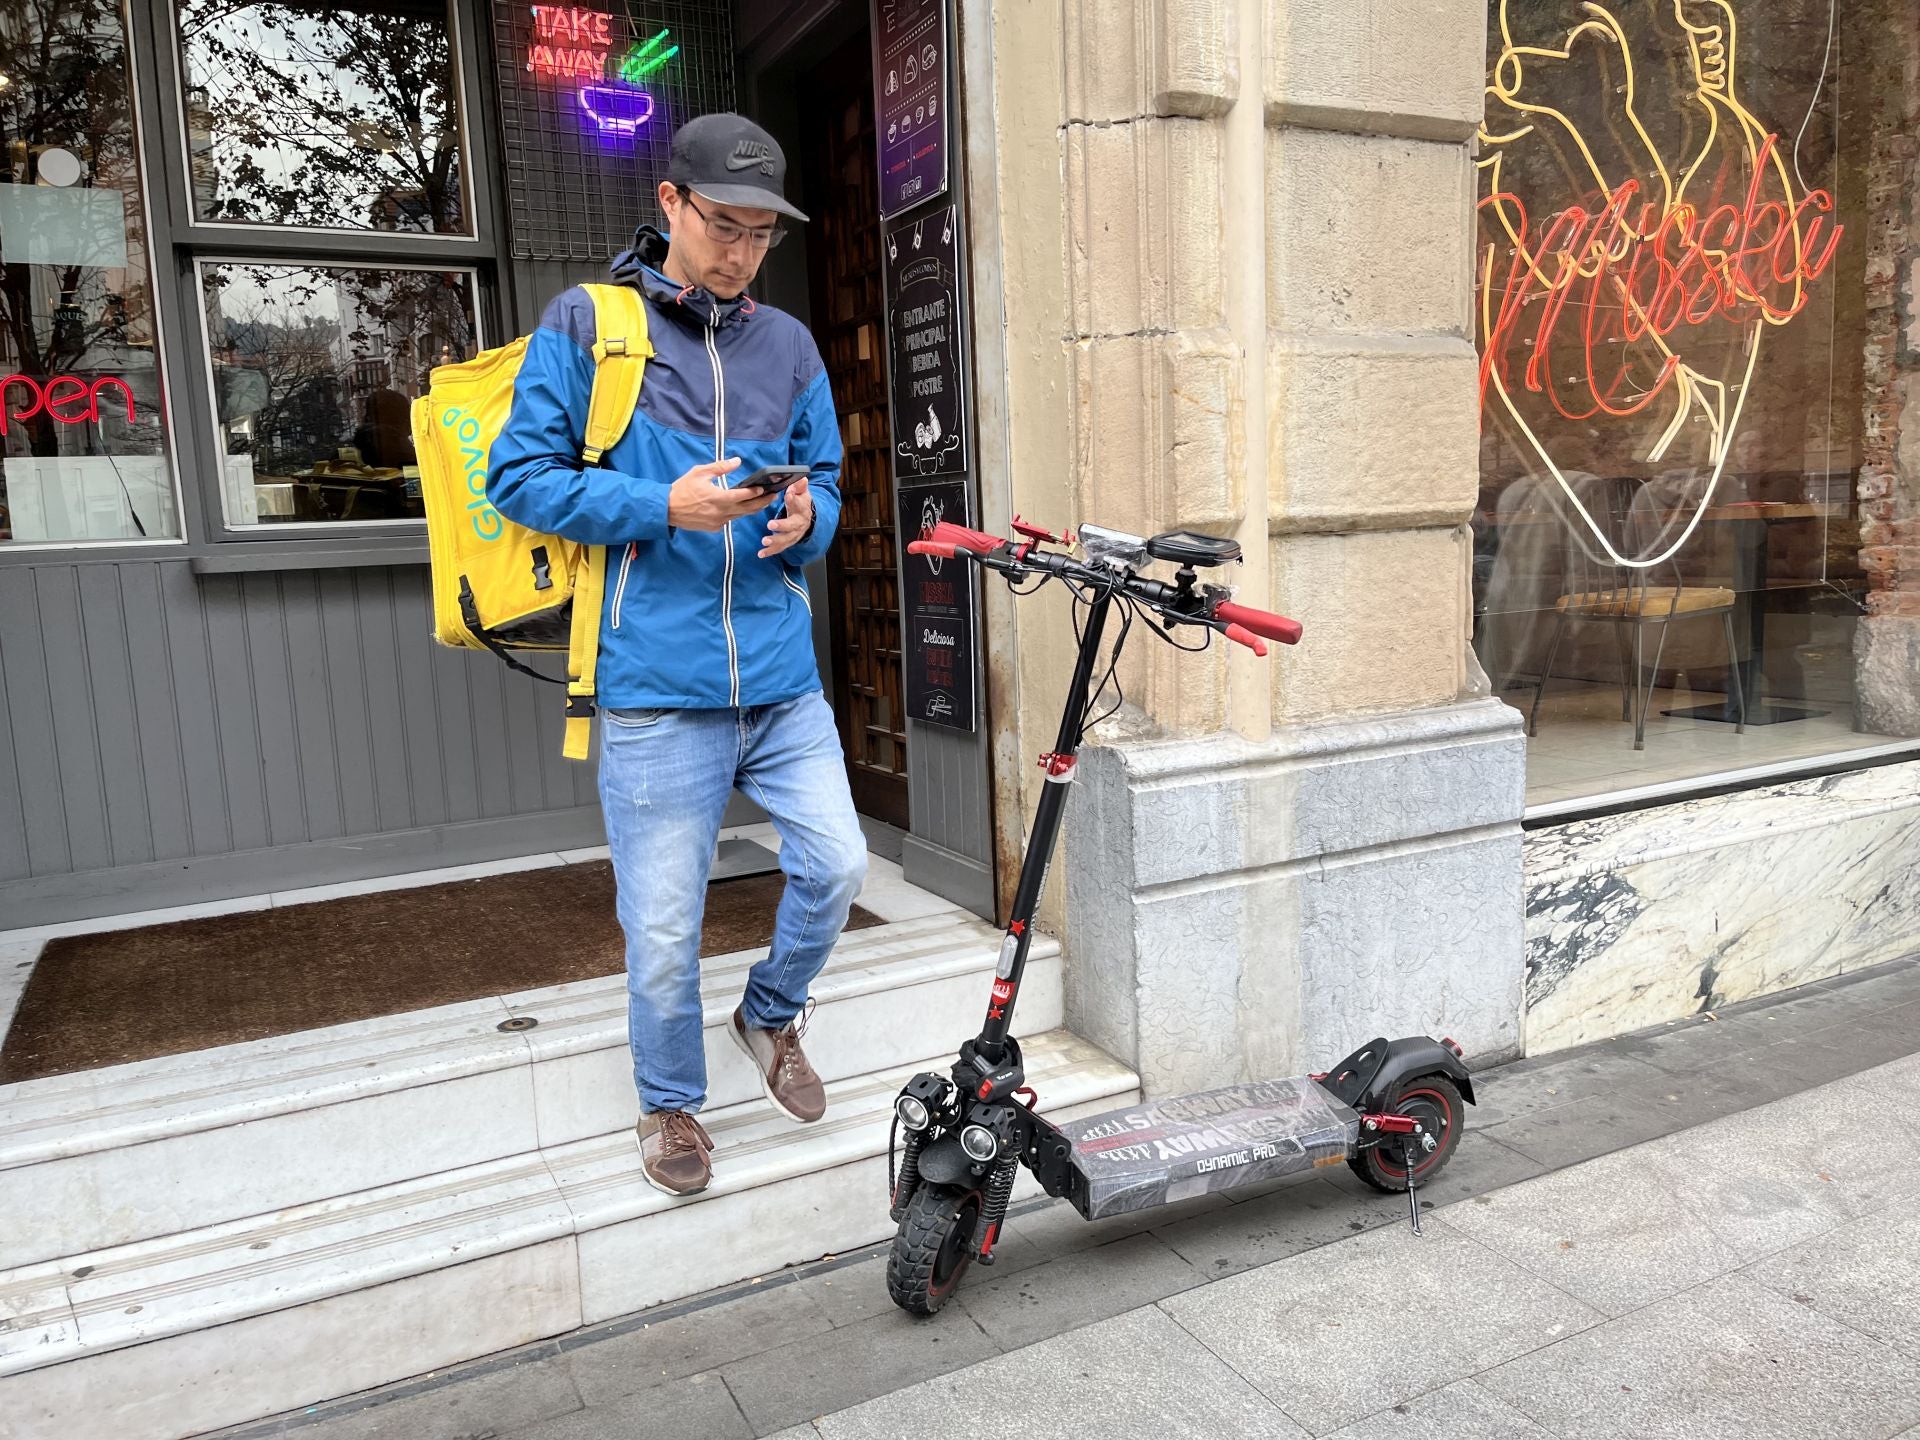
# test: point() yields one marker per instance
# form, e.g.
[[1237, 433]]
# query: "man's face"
[[717, 247]]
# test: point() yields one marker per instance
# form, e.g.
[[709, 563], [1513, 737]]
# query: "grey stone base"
[[1237, 911], [1886, 656]]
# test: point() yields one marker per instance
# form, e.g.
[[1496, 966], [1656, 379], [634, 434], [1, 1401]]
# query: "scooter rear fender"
[[1366, 1079]]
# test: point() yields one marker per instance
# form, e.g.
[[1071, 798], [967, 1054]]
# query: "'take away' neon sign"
[[66, 399], [575, 44]]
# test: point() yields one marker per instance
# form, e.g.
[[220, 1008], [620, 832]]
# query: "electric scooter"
[[1391, 1110]]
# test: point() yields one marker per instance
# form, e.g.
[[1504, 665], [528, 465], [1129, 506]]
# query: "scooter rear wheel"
[[933, 1247], [1434, 1101]]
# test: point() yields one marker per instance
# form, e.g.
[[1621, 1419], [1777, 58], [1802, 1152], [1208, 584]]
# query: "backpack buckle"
[[580, 707]]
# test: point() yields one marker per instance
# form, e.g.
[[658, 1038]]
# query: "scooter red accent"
[[1391, 1110]]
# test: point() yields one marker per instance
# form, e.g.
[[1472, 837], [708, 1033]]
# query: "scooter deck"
[[1204, 1144]]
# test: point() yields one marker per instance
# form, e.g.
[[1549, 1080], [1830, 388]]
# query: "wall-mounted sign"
[[577, 47], [924, 329], [65, 398], [570, 43], [911, 94], [938, 611]]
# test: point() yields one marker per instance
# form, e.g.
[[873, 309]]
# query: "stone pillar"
[[1266, 308], [1887, 642]]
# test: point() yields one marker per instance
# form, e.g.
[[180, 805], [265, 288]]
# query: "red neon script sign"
[[64, 398], [1632, 272], [573, 44]]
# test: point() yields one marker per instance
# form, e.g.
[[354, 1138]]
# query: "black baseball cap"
[[730, 159]]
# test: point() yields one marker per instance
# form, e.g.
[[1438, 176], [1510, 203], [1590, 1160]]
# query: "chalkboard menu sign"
[[910, 83], [939, 611], [924, 329]]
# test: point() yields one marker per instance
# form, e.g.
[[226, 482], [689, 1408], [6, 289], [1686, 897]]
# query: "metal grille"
[[578, 185]]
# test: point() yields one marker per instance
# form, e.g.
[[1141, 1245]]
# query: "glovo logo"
[[486, 520]]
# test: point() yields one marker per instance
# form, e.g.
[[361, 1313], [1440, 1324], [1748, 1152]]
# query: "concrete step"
[[175, 1336], [112, 1157]]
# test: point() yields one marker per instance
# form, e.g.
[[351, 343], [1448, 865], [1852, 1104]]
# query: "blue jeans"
[[665, 776]]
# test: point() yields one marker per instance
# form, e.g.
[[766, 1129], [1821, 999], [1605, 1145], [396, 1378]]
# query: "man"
[[706, 675]]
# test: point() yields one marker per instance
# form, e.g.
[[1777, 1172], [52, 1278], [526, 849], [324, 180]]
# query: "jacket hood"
[[642, 266]]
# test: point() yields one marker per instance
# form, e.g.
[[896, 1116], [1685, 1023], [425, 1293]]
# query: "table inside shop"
[[1752, 583]]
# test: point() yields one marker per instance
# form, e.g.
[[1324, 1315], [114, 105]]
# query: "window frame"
[[217, 453], [178, 244], [39, 551], [239, 232]]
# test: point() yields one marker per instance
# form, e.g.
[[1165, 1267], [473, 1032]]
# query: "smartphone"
[[770, 478]]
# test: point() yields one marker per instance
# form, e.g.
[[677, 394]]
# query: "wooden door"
[[849, 324]]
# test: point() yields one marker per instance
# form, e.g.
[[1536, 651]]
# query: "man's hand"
[[701, 500], [791, 528]]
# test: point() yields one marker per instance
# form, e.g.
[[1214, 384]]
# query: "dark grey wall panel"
[[156, 722], [197, 706], [76, 751], [165, 734], [312, 730], [13, 814], [103, 643]]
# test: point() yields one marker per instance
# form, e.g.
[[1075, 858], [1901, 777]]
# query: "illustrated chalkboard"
[[938, 606], [924, 325]]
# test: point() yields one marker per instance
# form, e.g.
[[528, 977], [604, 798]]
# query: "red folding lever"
[[1034, 532]]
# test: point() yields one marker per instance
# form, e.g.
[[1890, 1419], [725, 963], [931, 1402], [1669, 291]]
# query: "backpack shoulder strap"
[[620, 356]]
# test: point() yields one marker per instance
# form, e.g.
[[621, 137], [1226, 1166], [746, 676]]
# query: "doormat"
[[126, 995]]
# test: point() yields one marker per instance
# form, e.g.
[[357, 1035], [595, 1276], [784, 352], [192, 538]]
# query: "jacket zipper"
[[620, 589], [719, 453], [797, 589]]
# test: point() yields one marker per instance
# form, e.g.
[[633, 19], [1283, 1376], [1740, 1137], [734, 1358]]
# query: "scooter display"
[[1391, 1110]]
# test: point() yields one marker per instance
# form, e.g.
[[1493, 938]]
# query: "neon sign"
[[58, 397], [570, 43], [1656, 284], [617, 109], [643, 60]]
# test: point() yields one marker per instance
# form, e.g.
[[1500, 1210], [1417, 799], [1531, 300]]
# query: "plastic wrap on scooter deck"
[[1175, 1149]]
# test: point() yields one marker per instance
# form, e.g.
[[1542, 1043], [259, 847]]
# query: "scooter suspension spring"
[[909, 1177], [994, 1211]]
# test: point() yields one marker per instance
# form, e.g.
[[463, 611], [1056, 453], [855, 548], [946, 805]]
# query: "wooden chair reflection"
[[1632, 598]]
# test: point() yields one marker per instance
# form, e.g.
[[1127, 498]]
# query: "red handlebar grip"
[[1240, 635], [959, 537], [1260, 622], [930, 547]]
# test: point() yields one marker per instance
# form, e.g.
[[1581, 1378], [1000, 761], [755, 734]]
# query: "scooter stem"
[[1046, 834]]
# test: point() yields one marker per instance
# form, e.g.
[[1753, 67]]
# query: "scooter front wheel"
[[1435, 1102], [933, 1247]]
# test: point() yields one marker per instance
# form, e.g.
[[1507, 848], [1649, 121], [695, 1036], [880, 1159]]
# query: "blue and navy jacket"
[[692, 620]]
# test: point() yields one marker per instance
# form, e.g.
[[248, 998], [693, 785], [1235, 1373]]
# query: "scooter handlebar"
[[946, 538], [1260, 622]]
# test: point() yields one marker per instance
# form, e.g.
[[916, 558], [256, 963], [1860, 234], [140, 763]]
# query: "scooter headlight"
[[980, 1143], [912, 1112]]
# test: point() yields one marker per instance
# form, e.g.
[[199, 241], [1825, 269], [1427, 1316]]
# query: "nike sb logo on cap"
[[749, 153]]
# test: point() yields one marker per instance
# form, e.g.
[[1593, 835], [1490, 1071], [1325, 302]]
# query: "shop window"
[[1676, 203], [81, 430], [303, 113], [315, 370]]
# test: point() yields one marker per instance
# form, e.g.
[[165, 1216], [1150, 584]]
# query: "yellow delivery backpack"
[[496, 585]]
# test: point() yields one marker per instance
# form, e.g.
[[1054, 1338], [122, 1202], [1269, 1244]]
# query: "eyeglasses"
[[726, 232]]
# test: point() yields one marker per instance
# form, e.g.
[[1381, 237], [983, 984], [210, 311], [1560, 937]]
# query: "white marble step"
[[324, 1299], [110, 1157]]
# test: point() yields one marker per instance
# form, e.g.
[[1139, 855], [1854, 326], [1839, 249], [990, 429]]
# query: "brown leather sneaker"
[[676, 1153], [785, 1075]]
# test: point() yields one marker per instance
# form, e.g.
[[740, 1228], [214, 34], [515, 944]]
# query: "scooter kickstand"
[[1413, 1200]]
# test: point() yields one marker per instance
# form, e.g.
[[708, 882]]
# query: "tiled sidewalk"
[[1746, 1268]]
